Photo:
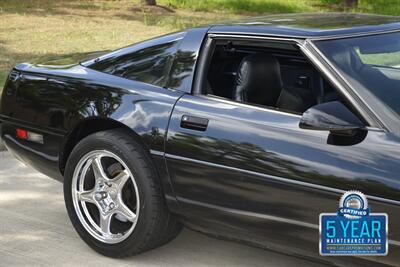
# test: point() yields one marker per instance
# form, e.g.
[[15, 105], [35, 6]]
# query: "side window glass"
[[269, 75], [149, 63]]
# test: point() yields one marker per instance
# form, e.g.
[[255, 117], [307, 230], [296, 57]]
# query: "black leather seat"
[[259, 81]]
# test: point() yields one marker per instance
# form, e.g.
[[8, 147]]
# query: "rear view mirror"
[[331, 116]]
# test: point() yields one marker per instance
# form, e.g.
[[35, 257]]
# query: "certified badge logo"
[[353, 205], [353, 230]]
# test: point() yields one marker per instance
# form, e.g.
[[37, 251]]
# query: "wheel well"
[[86, 128]]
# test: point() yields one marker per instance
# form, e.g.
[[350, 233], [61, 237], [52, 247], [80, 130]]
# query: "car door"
[[252, 173]]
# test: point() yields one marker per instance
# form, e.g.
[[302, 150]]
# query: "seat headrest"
[[258, 80]]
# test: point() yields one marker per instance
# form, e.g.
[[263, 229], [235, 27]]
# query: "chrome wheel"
[[105, 196]]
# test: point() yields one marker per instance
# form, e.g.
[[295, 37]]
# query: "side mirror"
[[331, 116]]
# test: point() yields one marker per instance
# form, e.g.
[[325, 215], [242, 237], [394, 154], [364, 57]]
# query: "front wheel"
[[113, 196]]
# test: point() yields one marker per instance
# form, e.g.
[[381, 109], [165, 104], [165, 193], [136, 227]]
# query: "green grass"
[[31, 29], [39, 28], [387, 7], [240, 6], [384, 7]]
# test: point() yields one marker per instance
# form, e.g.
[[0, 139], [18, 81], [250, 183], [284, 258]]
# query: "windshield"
[[371, 64]]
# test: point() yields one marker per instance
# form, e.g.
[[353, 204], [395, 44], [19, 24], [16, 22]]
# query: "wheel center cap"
[[105, 201], [100, 195]]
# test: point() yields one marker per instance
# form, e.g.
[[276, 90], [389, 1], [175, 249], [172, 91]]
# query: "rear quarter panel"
[[52, 102]]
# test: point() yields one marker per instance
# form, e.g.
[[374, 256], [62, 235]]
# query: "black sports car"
[[246, 130]]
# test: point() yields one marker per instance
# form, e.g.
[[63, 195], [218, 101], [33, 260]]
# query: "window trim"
[[250, 105], [208, 49], [377, 121], [331, 73]]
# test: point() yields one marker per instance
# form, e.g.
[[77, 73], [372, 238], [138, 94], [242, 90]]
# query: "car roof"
[[309, 25]]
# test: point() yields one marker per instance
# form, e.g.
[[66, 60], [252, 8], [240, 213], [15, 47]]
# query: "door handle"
[[194, 123]]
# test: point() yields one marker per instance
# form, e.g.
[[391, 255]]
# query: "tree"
[[149, 2], [350, 3]]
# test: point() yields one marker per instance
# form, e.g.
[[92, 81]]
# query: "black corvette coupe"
[[246, 130]]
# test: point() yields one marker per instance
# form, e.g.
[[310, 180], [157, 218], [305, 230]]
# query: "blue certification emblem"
[[353, 230]]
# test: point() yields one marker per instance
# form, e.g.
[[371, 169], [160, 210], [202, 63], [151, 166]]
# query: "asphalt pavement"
[[35, 231]]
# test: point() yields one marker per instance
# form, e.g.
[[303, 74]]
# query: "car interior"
[[266, 75]]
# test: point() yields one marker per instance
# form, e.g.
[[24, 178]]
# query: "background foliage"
[[35, 28]]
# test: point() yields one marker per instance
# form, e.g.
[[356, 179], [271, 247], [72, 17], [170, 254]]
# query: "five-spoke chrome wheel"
[[105, 196]]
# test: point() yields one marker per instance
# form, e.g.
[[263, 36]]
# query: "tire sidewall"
[[134, 160]]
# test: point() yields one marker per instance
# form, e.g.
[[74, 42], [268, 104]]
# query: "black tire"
[[156, 225]]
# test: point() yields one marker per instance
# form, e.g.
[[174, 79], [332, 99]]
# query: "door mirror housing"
[[331, 116]]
